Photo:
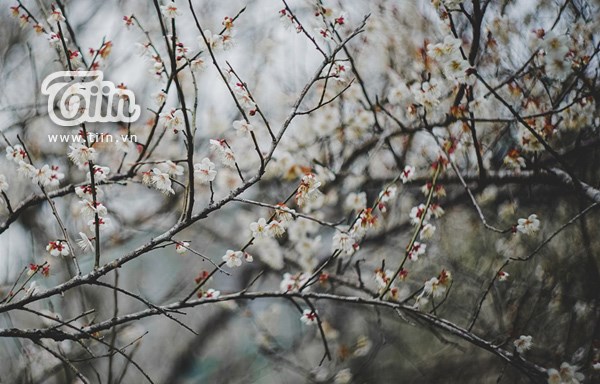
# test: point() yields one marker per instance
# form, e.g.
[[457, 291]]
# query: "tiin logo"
[[82, 96]]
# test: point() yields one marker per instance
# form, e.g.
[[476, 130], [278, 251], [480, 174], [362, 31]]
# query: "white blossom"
[[58, 248], [529, 226], [309, 317], [344, 242], [407, 174], [259, 228], [523, 343], [81, 154], [205, 170], [181, 247], [85, 243], [161, 181], [16, 153], [233, 258], [171, 168], [169, 10], [243, 127]]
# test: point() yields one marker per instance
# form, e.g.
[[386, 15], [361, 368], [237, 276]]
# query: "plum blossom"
[[46, 176], [171, 168], [58, 248], [356, 201], [436, 210], [555, 46], [367, 219], [244, 99], [81, 154], [388, 194], [14, 10], [309, 317], [529, 142], [344, 376], [100, 173], [427, 94], [205, 170], [418, 249], [259, 229], [181, 247], [417, 213], [212, 293], [567, 374], [34, 268], [159, 98], [337, 70], [26, 169], [293, 283], [344, 242], [233, 258], [243, 127], [283, 214], [128, 21], [438, 190], [85, 192], [224, 152], [54, 39], [382, 278], [427, 231], [407, 174], [172, 119], [529, 226], [248, 257], [198, 65], [275, 228], [169, 10], [523, 343], [450, 46], [55, 16], [159, 180], [23, 20], [42, 176], [88, 209], [308, 189], [75, 57], [215, 41], [437, 286], [16, 153], [514, 160], [103, 223], [85, 243]]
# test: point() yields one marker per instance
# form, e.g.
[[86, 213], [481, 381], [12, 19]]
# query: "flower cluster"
[[58, 248], [158, 179], [224, 152], [43, 269], [234, 259], [566, 374], [293, 283], [308, 190]]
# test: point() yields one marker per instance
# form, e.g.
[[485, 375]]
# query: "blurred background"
[[554, 297]]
